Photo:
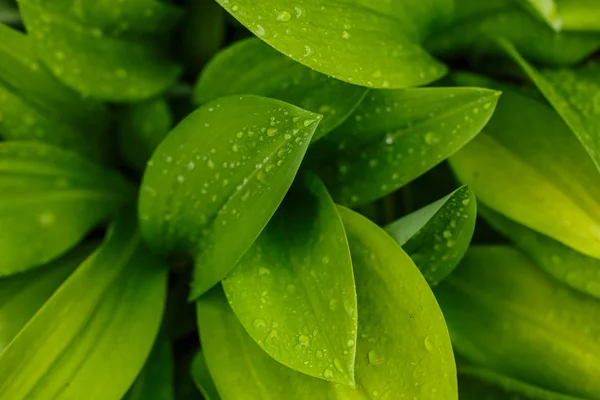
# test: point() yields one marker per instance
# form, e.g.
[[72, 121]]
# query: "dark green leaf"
[[251, 66], [368, 43], [53, 196], [397, 135], [91, 338], [437, 236], [216, 180], [155, 382], [105, 50], [202, 379], [507, 315], [294, 290]]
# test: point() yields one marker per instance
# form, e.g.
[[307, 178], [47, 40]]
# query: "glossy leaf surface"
[[580, 15], [373, 44], [202, 379], [155, 382], [403, 345], [531, 166], [437, 236], [397, 135], [84, 343], [216, 180], [252, 67], [55, 197], [102, 49], [35, 106], [507, 315], [545, 10], [294, 289]]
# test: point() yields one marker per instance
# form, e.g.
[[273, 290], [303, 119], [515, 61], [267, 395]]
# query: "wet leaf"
[[507, 315], [403, 345], [545, 10], [294, 290], [573, 94], [527, 166], [397, 135], [202, 379], [23, 294], [218, 177], [155, 382], [437, 236], [565, 264], [368, 43], [54, 196], [84, 343], [251, 66], [580, 15], [35, 106], [105, 50]]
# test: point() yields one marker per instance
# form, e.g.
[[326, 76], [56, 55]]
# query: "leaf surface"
[[546, 10], [155, 382], [202, 379]]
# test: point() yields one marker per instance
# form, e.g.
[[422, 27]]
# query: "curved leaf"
[[218, 177], [545, 10], [373, 44], [84, 343], [531, 166], [54, 196], [397, 135], [155, 382], [507, 315], [202, 379], [120, 58], [23, 294], [437, 236], [565, 264], [294, 290], [403, 345], [35, 106], [580, 15], [251, 66]]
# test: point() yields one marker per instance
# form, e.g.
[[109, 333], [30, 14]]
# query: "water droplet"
[[235, 7], [260, 31], [345, 35], [259, 323], [376, 74], [319, 354], [338, 365], [328, 374], [180, 178], [429, 346], [283, 16], [333, 304], [466, 202], [291, 288], [325, 260], [350, 342], [374, 358], [47, 218], [271, 132], [307, 51], [191, 165], [303, 341], [431, 138], [264, 271], [450, 243], [447, 234]]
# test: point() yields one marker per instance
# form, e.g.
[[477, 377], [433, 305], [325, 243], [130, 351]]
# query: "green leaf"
[[53, 196], [569, 266], [155, 382], [507, 315], [531, 166], [294, 290], [373, 44], [23, 294], [142, 127], [122, 58], [403, 345], [572, 94], [580, 15], [216, 180], [476, 383], [437, 236], [35, 106], [202, 379], [84, 343], [251, 66], [537, 42], [545, 10], [397, 135]]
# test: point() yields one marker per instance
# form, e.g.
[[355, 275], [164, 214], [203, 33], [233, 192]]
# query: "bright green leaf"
[[53, 196], [580, 15], [35, 106], [527, 166], [202, 379], [403, 345], [437, 236], [23, 294], [507, 315], [216, 180], [155, 382], [92, 337], [368, 43], [251, 66], [545, 10], [397, 135], [88, 49], [300, 262]]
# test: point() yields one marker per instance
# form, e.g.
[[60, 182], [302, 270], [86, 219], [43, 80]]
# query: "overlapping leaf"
[[53, 196], [509, 316], [201, 376], [294, 289], [85, 332], [223, 169], [580, 15], [252, 67], [394, 136], [545, 10], [368, 43], [155, 382], [437, 236]]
